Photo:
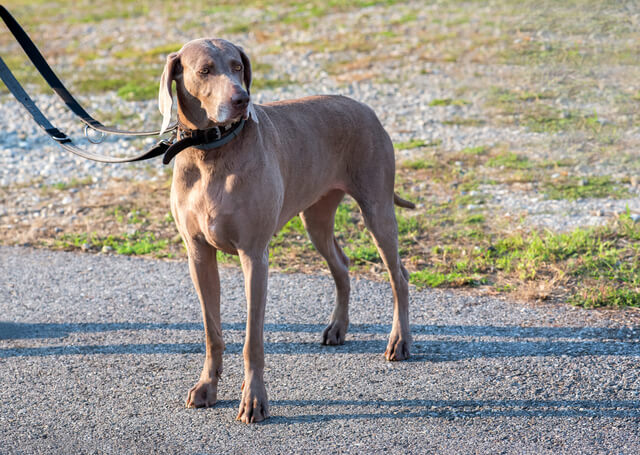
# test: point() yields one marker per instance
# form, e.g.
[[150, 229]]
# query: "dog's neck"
[[186, 116]]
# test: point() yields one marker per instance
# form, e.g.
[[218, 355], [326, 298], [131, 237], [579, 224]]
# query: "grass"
[[509, 160], [415, 143], [475, 151], [138, 243], [73, 183], [419, 164], [597, 264], [448, 102], [590, 187], [446, 243]]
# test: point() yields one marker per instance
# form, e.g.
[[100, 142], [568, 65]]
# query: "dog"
[[296, 157]]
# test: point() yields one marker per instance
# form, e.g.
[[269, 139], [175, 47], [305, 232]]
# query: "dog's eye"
[[204, 71], [237, 67]]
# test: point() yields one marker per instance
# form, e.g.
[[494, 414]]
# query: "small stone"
[[57, 230], [598, 212], [635, 217], [85, 247], [107, 249]]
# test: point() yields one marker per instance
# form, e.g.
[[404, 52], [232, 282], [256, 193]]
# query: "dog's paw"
[[334, 333], [398, 348], [202, 395], [254, 406]]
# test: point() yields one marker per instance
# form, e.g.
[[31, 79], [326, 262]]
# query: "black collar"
[[209, 138], [210, 134]]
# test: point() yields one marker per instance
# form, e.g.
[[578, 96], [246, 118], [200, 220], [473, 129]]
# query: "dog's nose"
[[240, 100]]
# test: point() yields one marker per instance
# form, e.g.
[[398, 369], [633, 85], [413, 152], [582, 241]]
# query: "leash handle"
[[56, 84]]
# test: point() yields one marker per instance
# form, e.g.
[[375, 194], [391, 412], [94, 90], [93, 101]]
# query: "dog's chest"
[[219, 221]]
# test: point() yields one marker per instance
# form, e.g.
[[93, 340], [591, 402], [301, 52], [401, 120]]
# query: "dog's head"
[[209, 75]]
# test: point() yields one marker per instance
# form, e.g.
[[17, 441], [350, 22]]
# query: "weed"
[[573, 188], [448, 102], [509, 160], [127, 244], [73, 183], [606, 296], [416, 143], [459, 121], [420, 164], [362, 254], [434, 279], [474, 151]]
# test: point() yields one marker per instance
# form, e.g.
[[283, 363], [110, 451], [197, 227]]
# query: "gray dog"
[[291, 157]]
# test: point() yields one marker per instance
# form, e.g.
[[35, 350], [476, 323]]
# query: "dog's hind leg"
[[380, 219], [319, 222]]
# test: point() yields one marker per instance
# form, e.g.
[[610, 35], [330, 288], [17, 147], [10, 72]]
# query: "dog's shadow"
[[445, 342], [435, 343], [442, 409]]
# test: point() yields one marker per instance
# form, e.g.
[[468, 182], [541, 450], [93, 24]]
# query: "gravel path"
[[97, 353]]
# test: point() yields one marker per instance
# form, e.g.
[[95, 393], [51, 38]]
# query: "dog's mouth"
[[227, 115]]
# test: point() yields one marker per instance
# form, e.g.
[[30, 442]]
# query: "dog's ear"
[[165, 95], [246, 64]]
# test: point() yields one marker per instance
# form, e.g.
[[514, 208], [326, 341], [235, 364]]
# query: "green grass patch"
[[136, 244], [362, 254], [509, 160], [421, 163], [448, 102], [147, 55], [550, 120], [475, 151], [430, 278], [130, 84], [415, 143], [589, 267], [460, 121], [585, 187], [73, 183]]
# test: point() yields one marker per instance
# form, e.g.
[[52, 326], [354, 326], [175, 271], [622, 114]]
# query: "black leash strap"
[[65, 142], [56, 84], [14, 87]]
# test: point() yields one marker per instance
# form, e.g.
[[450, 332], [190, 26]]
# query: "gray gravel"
[[97, 353]]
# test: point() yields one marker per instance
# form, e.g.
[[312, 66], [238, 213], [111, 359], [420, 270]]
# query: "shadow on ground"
[[518, 342]]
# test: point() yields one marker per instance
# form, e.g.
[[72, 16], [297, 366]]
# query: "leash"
[[209, 138]]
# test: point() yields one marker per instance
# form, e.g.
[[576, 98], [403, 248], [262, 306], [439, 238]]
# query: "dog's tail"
[[397, 200]]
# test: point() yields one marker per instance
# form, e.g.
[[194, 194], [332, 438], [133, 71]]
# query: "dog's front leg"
[[254, 406], [203, 267]]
